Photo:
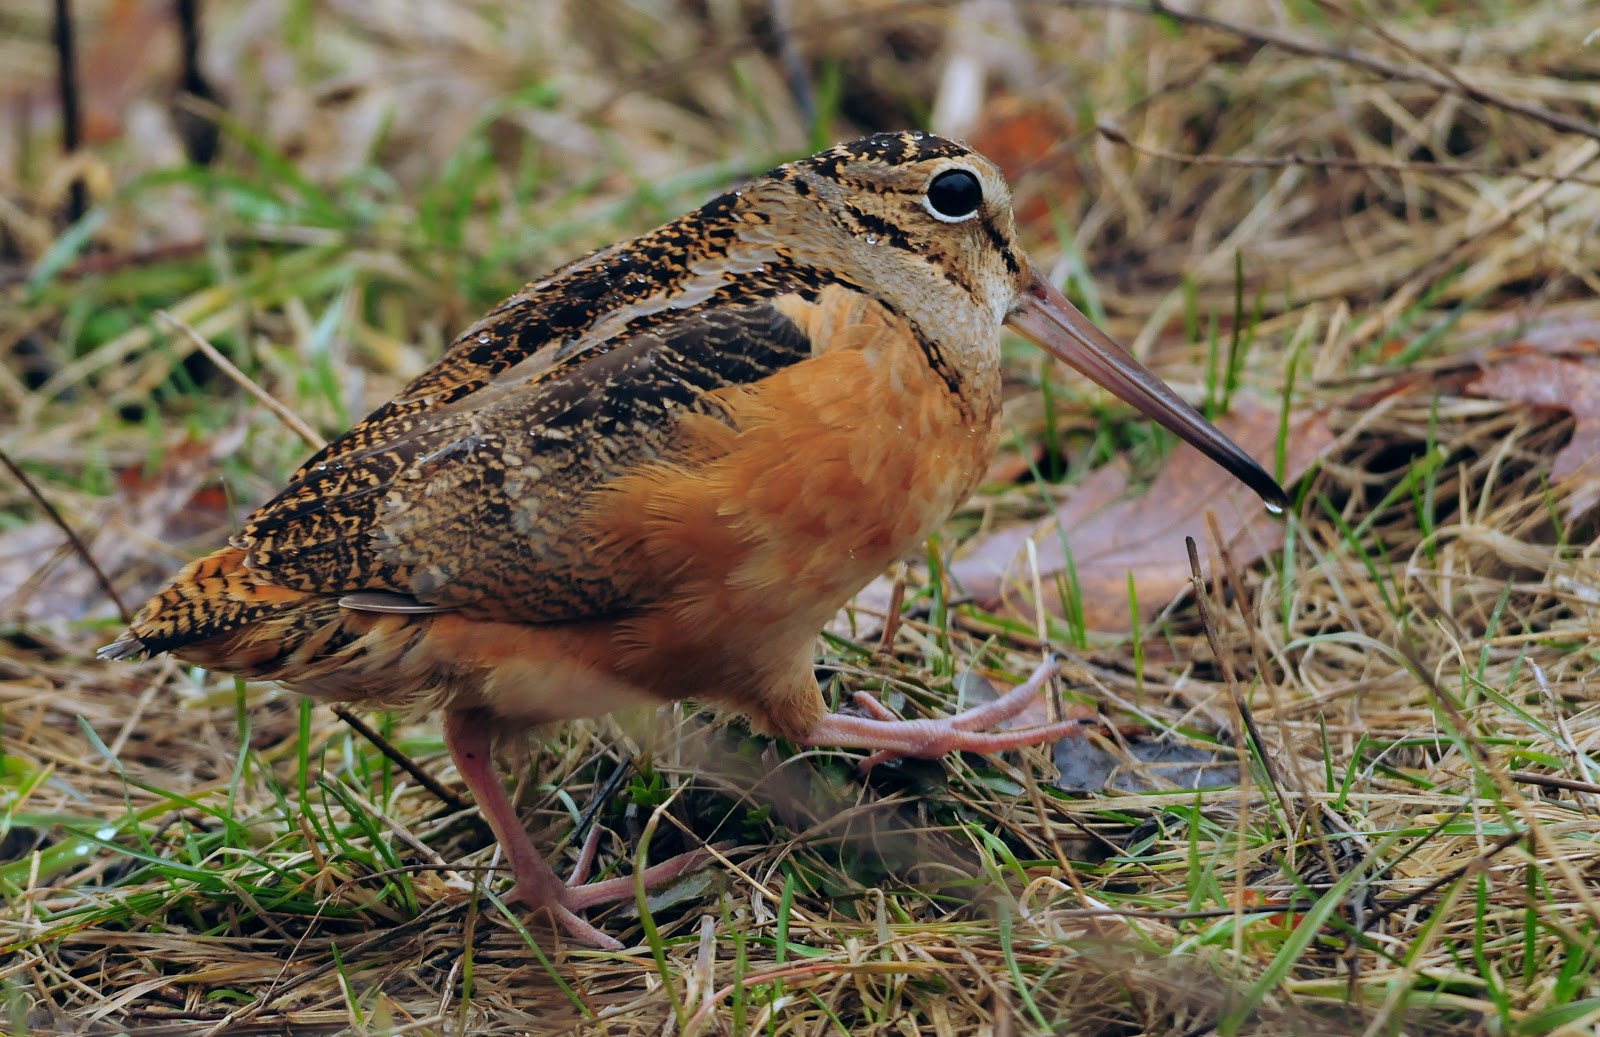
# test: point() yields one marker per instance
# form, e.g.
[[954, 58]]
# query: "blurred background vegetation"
[[1365, 230]]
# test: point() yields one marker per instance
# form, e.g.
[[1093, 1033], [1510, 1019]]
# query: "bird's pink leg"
[[466, 735], [892, 737]]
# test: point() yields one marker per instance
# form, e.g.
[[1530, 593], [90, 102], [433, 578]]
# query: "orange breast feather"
[[833, 469]]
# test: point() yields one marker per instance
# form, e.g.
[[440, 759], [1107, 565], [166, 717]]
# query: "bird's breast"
[[817, 478]]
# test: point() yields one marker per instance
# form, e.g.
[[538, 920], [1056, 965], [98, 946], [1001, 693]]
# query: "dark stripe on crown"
[[890, 148]]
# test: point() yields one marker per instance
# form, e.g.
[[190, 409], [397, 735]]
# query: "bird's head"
[[925, 225]]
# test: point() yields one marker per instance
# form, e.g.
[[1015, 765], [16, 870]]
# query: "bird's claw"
[[969, 731]]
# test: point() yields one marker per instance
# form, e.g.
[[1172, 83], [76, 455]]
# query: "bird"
[[656, 473]]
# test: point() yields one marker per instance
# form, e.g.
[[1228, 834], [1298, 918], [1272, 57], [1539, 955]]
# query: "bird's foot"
[[565, 900], [467, 734], [893, 737]]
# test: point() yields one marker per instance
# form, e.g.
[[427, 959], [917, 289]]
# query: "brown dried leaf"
[[1569, 385], [1111, 534], [1563, 329], [132, 53]]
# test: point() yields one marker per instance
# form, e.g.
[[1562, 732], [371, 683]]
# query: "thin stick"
[[601, 795], [67, 93], [78, 545], [892, 615], [244, 381], [1386, 70], [400, 759], [1551, 781], [1114, 134], [316, 442], [1477, 863], [439, 910]]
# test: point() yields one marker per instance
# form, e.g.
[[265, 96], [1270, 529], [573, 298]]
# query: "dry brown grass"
[[1409, 194]]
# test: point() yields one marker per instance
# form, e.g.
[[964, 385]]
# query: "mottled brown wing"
[[474, 504], [635, 286]]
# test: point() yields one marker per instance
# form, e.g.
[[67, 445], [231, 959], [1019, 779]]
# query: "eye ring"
[[953, 196]]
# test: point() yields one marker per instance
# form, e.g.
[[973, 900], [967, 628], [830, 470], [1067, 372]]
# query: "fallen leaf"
[[1569, 385], [1570, 328], [131, 53], [1111, 534]]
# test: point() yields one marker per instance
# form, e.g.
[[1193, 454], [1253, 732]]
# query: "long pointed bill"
[[1051, 322]]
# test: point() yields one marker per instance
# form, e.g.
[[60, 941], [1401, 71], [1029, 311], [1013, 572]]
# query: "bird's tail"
[[211, 596]]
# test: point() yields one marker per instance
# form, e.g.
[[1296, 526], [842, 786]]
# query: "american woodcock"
[[657, 473]]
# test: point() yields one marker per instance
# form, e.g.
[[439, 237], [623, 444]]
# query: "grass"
[[1401, 694]]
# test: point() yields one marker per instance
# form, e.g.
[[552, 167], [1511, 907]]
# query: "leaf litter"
[[135, 536], [1109, 527], [1106, 531], [1556, 383], [1470, 577]]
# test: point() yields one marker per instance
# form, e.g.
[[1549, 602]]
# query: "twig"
[[1115, 135], [316, 442], [1477, 863], [67, 92], [1429, 272], [893, 614], [60, 523], [354, 953], [601, 794], [400, 759], [1552, 781], [670, 71], [1451, 84], [106, 262], [245, 382]]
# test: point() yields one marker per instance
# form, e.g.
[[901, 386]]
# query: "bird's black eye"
[[954, 194]]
